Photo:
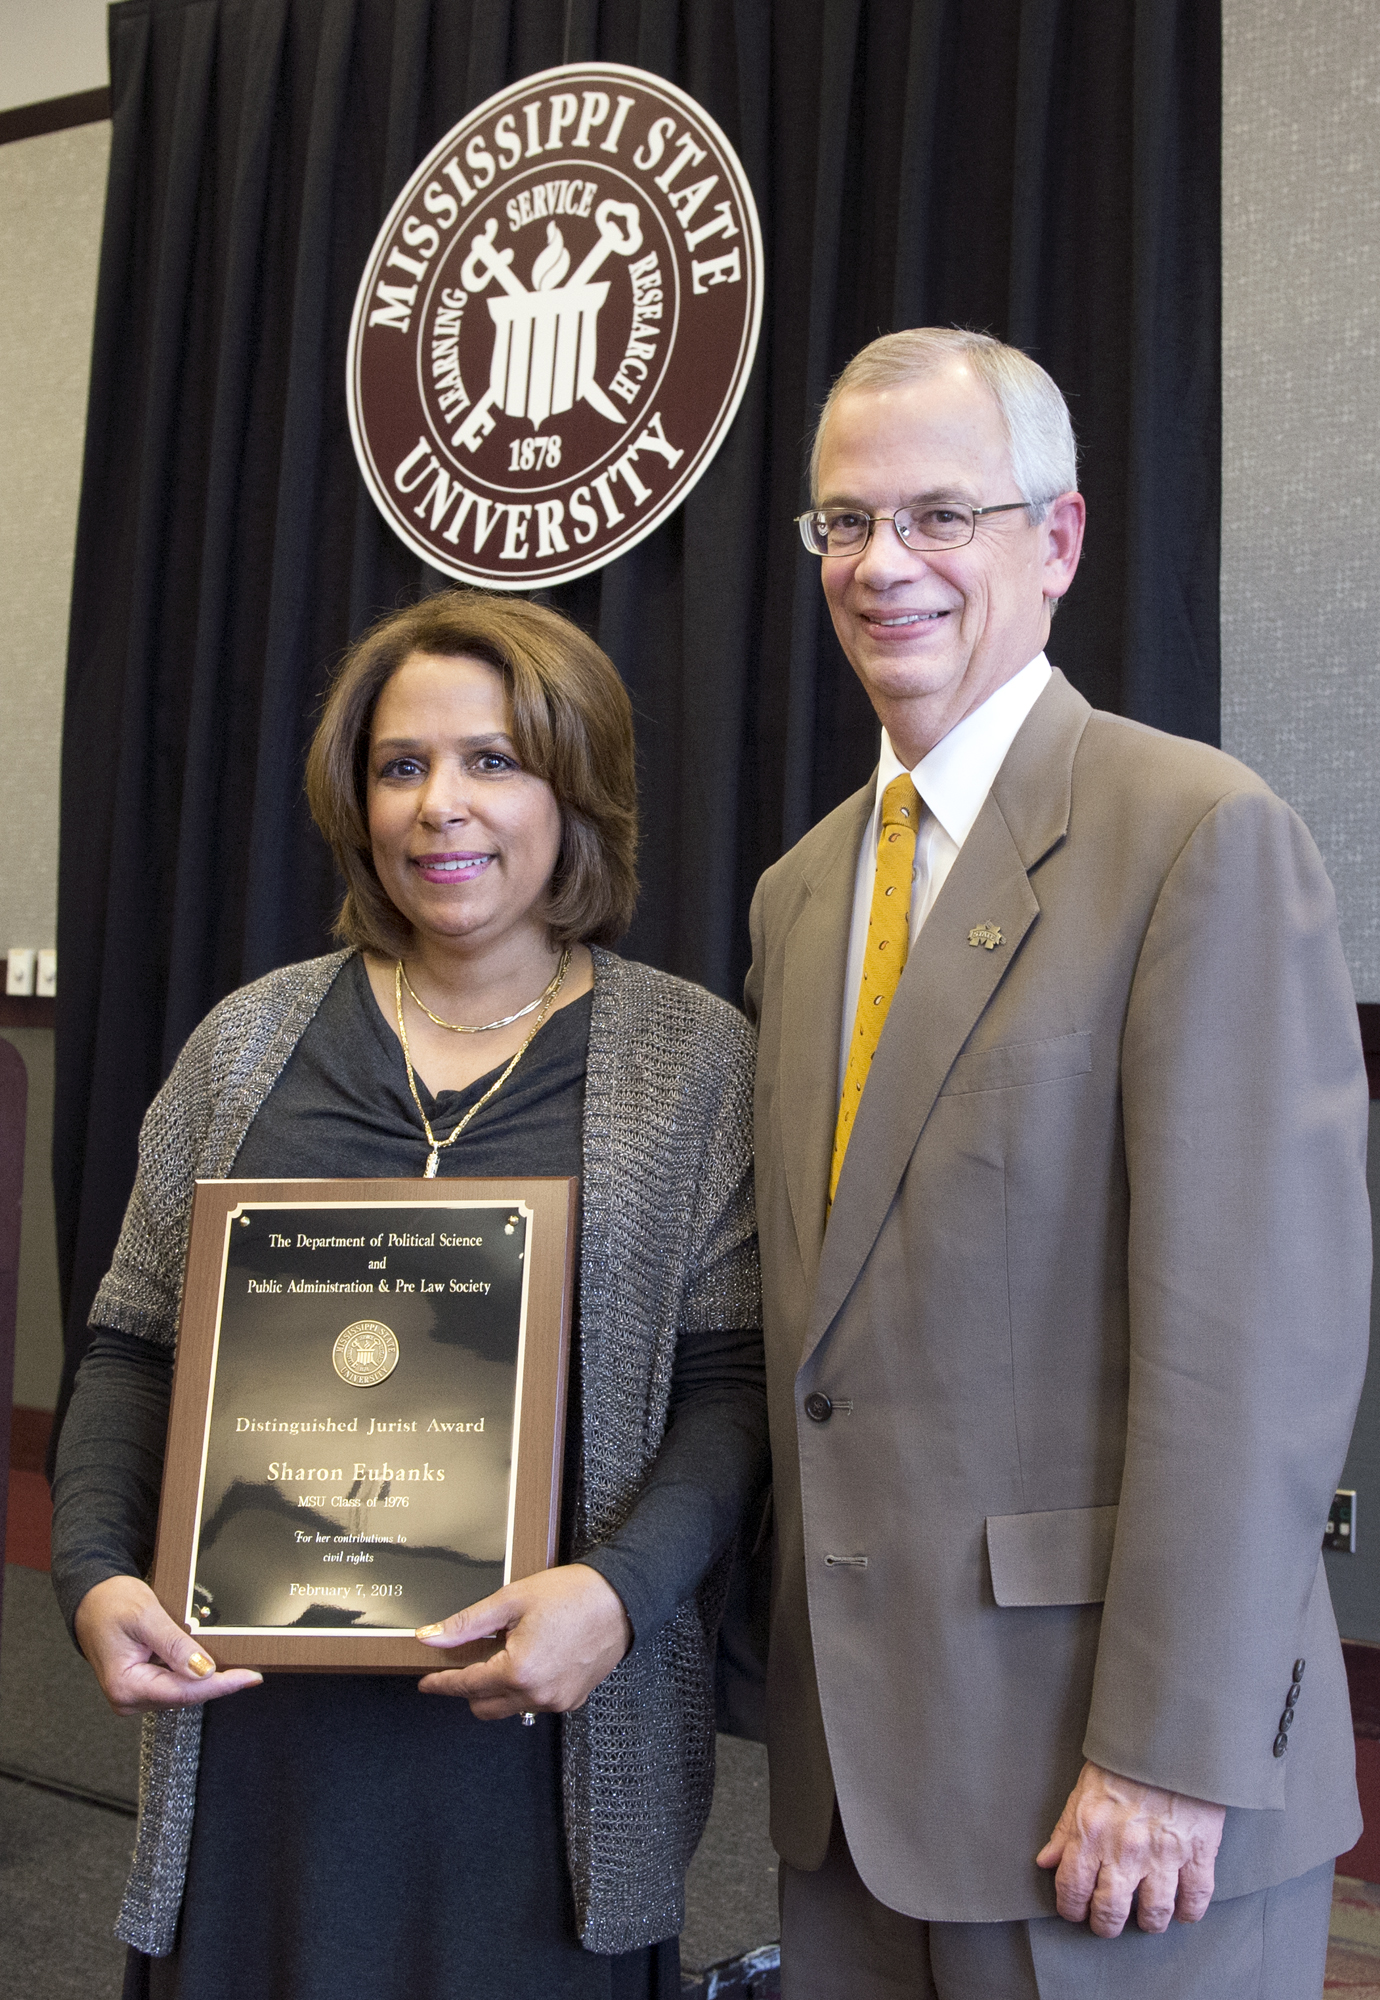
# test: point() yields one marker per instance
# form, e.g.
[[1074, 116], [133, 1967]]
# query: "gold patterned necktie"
[[888, 939]]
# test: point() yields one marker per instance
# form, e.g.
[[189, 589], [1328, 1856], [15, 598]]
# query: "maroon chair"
[[14, 1096]]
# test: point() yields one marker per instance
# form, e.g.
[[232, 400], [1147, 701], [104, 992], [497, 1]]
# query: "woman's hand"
[[141, 1659], [558, 1635]]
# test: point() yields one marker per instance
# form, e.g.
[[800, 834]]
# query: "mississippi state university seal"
[[365, 1354], [555, 326]]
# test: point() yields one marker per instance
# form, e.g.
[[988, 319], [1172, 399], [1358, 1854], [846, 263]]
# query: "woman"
[[322, 1834]]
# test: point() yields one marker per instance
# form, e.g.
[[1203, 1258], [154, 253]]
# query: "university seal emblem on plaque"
[[555, 326], [365, 1354]]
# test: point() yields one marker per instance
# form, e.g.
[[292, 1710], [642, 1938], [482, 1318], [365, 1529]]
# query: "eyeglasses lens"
[[934, 527], [845, 533]]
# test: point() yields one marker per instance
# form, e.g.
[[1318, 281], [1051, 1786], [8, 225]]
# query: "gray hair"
[[1039, 431]]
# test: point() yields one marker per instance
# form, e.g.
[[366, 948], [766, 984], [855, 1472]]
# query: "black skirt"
[[355, 1837]]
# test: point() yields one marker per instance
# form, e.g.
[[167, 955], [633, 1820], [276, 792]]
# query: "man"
[[1066, 1272]]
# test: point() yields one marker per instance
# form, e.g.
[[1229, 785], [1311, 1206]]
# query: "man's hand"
[[141, 1659], [1115, 1837], [558, 1634]]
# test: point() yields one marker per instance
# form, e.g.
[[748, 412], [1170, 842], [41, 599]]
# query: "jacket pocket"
[[1063, 1557], [1013, 1063]]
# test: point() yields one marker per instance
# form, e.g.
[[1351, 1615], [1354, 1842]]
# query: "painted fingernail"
[[200, 1665], [427, 1631]]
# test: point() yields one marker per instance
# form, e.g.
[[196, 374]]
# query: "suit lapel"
[[948, 982], [812, 1026]]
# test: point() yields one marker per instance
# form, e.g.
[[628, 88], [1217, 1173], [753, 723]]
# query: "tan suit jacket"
[[1091, 1316]]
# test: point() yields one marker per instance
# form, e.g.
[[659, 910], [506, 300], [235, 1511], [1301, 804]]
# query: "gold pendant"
[[433, 1163]]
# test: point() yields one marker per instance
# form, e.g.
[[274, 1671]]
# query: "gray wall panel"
[[1301, 428]]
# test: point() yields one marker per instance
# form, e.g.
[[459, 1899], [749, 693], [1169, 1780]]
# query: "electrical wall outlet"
[[1340, 1535], [19, 969], [45, 977]]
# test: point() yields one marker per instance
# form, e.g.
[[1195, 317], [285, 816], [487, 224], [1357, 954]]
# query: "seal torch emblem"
[[555, 327]]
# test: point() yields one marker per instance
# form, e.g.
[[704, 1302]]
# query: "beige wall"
[[51, 48], [52, 191], [1301, 428]]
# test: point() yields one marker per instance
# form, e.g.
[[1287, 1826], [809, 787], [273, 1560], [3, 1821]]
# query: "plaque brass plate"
[[368, 1413]]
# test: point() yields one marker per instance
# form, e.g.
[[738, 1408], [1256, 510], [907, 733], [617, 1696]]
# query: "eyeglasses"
[[842, 531]]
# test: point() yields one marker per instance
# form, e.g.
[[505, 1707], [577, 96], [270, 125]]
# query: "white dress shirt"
[[953, 779]]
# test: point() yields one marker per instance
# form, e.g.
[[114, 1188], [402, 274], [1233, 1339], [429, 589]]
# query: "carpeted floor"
[[63, 1854], [1353, 1957], [730, 1891]]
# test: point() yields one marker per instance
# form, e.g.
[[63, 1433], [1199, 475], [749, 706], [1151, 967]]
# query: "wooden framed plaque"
[[368, 1413]]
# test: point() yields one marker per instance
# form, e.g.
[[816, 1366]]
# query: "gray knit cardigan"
[[667, 1243]]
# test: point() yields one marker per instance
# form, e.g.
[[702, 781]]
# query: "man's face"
[[931, 633]]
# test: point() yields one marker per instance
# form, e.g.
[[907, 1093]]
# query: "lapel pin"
[[985, 937]]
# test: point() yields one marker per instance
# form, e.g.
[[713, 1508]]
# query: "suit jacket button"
[[818, 1408], [1299, 1666], [1293, 1695], [1286, 1722], [1281, 1744]]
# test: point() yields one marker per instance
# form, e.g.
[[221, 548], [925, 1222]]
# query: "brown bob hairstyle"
[[571, 725]]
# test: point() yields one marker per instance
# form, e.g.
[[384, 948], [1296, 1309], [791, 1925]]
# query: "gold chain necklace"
[[438, 1145], [459, 1027]]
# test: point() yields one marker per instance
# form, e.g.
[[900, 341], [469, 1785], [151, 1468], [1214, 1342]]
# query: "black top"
[[427, 1853]]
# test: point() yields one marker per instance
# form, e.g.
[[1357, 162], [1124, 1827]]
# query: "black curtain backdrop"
[[1047, 170]]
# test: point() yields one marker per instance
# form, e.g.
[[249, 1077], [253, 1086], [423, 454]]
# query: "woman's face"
[[464, 840]]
